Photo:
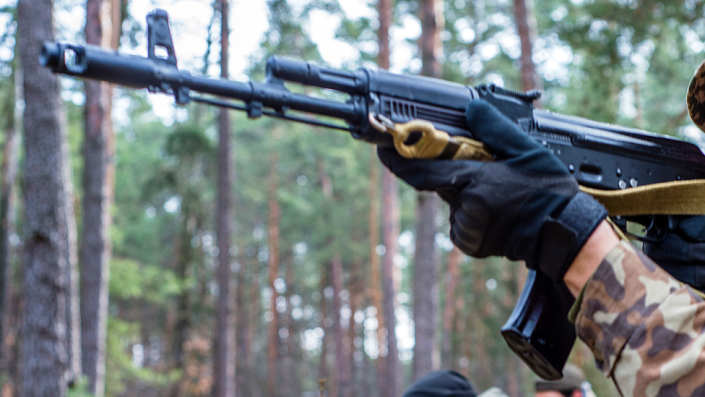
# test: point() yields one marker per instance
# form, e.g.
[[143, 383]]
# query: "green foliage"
[[80, 388], [132, 280], [121, 370]]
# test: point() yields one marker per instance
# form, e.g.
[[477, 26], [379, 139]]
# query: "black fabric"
[[562, 238], [441, 384], [497, 208], [693, 228], [682, 252]]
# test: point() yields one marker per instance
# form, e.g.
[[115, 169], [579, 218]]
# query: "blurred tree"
[[374, 290], [425, 291], [48, 350], [224, 343], [10, 91], [526, 28], [102, 28], [450, 311], [273, 264], [388, 380]]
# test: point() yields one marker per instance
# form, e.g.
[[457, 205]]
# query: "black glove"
[[525, 205]]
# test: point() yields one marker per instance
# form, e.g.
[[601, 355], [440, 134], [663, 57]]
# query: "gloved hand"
[[525, 205]]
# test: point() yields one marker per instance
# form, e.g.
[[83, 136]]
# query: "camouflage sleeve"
[[645, 329]]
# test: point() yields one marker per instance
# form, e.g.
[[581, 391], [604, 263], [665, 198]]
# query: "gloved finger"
[[428, 174], [469, 228], [461, 240], [508, 142]]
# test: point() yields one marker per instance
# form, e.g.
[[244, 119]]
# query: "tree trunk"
[[341, 387], [184, 256], [323, 362], [430, 43], [476, 330], [452, 275], [46, 368], [374, 291], [425, 284], [526, 28], [290, 374], [242, 317], [513, 385], [385, 11], [8, 212], [390, 230], [356, 288], [97, 191], [255, 305], [224, 352], [273, 238]]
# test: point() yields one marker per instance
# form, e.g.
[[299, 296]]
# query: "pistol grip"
[[538, 331]]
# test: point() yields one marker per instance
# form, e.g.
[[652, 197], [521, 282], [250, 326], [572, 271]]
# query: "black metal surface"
[[537, 330], [309, 121]]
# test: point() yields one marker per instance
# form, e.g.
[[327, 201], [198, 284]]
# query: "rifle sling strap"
[[668, 198]]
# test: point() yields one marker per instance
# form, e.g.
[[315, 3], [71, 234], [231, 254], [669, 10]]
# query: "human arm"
[[498, 210], [602, 240], [645, 329]]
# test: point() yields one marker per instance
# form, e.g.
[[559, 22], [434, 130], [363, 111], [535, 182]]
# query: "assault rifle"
[[599, 155]]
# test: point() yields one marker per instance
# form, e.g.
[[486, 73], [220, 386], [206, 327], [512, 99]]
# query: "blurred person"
[[571, 385], [445, 383]]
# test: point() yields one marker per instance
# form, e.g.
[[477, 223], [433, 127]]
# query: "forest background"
[[149, 250]]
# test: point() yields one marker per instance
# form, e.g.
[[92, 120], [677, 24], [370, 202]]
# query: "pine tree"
[[425, 293], [49, 247], [224, 344]]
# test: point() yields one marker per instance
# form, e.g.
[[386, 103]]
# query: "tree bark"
[[323, 362], [390, 232], [452, 275], [95, 248], [8, 212], [425, 286], [476, 329], [374, 291], [430, 43], [390, 229], [273, 239], [224, 353], [526, 28], [255, 305], [46, 366], [341, 387], [356, 302], [384, 9], [242, 332], [184, 256], [291, 374]]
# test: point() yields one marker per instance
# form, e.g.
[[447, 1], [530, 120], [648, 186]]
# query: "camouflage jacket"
[[645, 329]]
